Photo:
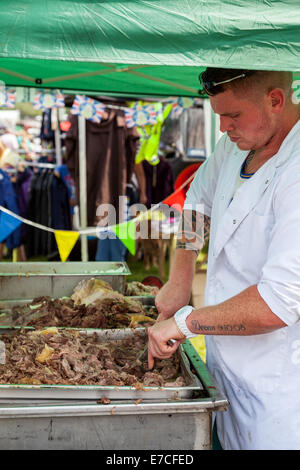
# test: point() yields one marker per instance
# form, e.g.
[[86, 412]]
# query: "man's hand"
[[159, 334], [170, 298]]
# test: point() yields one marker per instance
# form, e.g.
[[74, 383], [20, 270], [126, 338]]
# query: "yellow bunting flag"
[[65, 240], [151, 215], [126, 233]]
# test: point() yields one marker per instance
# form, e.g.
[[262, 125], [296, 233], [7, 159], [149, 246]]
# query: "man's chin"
[[243, 145]]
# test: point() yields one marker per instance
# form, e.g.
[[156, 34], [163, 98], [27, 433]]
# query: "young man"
[[248, 193]]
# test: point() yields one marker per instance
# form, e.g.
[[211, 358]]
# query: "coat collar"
[[249, 193]]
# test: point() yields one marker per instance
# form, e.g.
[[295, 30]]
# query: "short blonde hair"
[[243, 82], [262, 82]]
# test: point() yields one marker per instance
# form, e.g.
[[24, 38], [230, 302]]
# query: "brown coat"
[[110, 154]]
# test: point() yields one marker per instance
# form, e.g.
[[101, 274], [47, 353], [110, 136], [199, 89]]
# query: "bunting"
[[51, 99], [7, 97], [176, 199], [181, 103], [65, 240], [8, 224], [141, 115], [150, 137], [137, 114], [126, 233], [151, 215], [89, 108]]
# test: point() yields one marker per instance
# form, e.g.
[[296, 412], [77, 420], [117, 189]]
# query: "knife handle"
[[171, 342]]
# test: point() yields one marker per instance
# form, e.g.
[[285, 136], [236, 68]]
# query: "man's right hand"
[[170, 298]]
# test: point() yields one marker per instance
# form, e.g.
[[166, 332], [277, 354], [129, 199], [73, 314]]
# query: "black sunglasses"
[[209, 86]]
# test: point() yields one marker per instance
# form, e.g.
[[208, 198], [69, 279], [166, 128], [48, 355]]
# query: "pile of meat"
[[110, 312], [54, 356], [137, 288], [94, 304]]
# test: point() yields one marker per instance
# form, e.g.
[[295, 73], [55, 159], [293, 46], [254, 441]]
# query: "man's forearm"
[[244, 314], [190, 239], [183, 267], [177, 291]]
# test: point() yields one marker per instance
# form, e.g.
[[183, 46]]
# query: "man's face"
[[248, 123]]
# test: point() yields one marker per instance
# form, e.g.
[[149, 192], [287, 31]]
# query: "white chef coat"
[[255, 239]]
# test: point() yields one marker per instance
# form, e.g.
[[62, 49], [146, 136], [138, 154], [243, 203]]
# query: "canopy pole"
[[213, 130], [82, 185], [207, 127]]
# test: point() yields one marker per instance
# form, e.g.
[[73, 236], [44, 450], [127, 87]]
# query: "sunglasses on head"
[[210, 86]]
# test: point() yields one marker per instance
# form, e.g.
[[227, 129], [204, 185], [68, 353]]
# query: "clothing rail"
[[23, 151], [37, 164], [33, 164]]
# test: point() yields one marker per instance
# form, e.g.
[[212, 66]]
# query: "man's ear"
[[277, 100]]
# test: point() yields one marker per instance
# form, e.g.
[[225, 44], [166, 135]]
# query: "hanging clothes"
[[63, 172], [110, 158], [159, 181], [150, 135], [22, 187], [60, 205], [48, 205], [8, 199], [47, 133]]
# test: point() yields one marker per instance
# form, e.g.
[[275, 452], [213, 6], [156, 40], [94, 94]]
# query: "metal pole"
[[82, 185], [57, 138], [207, 127], [213, 130]]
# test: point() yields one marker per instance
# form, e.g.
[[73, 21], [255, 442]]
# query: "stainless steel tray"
[[57, 392], [56, 279]]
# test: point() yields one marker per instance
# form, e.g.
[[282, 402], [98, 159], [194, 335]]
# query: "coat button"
[[234, 221]]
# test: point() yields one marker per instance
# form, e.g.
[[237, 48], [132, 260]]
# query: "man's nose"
[[226, 124]]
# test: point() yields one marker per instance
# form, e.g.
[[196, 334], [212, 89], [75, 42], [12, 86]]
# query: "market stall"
[[45, 414]]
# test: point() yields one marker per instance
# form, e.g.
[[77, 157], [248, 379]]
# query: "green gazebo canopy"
[[140, 47]]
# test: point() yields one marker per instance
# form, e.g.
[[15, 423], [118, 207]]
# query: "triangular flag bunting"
[[176, 199], [65, 240], [126, 233], [151, 215], [8, 224]]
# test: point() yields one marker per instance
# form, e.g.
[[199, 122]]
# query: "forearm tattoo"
[[193, 231], [221, 329]]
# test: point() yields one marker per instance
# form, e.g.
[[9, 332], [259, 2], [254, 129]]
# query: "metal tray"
[[56, 279], [57, 392]]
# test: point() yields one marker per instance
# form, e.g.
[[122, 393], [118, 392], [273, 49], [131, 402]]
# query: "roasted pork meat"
[[55, 356], [112, 311]]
